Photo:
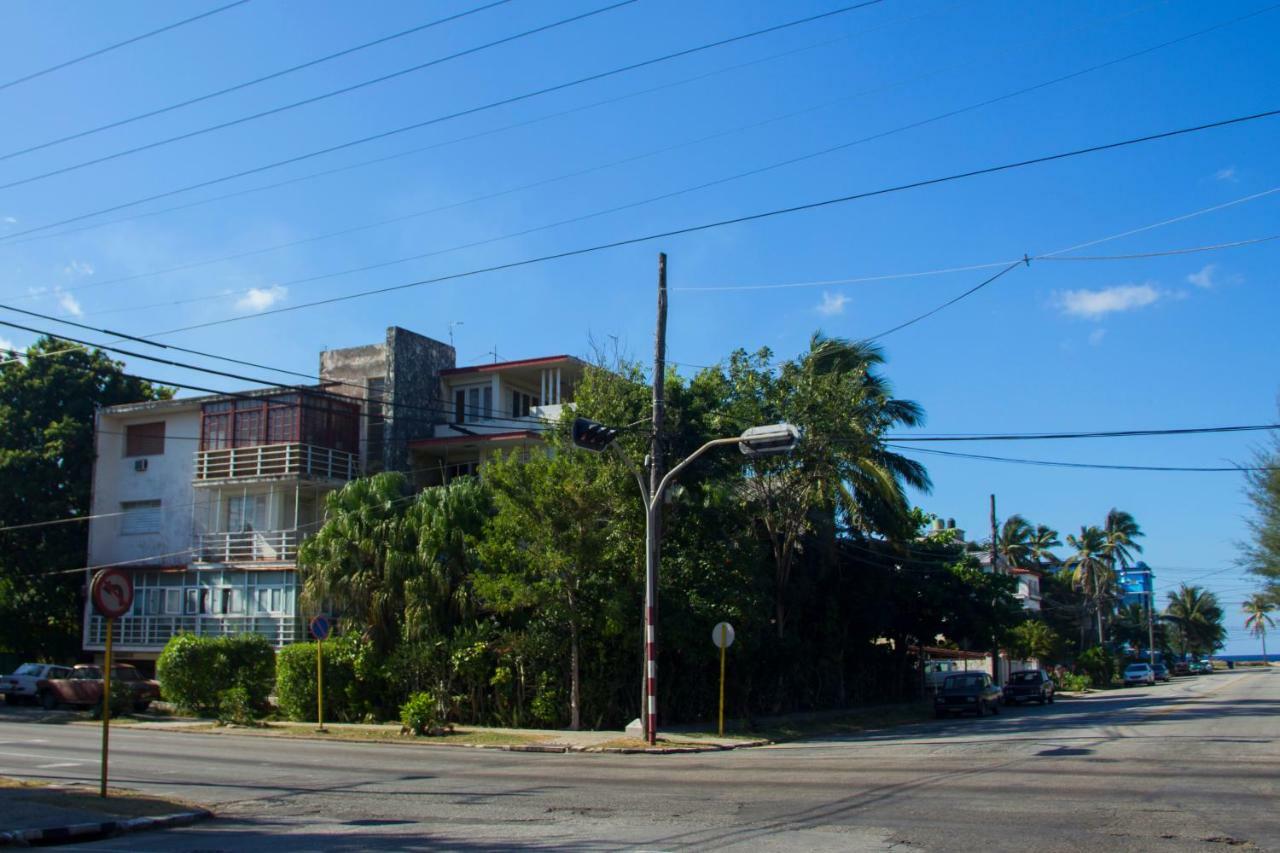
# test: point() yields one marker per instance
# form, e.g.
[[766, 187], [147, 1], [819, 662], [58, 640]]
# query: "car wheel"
[[48, 701], [140, 707], [1042, 700], [995, 707], [941, 715], [1050, 698], [11, 699]]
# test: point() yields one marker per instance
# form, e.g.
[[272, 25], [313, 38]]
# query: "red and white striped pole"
[[651, 674], [651, 621]]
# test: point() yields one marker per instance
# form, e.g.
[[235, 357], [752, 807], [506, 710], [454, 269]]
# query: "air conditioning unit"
[[140, 465]]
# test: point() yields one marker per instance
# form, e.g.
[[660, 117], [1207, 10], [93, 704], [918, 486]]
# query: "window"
[[472, 403], [139, 517], [144, 439], [521, 403], [246, 512]]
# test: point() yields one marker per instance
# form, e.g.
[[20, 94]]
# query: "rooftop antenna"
[[453, 323], [494, 352]]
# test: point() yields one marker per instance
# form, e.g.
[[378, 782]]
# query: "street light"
[[755, 443]]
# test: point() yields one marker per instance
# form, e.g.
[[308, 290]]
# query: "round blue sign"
[[320, 627]]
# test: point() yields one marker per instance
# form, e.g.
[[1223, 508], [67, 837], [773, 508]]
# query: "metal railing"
[[276, 460], [273, 546], [152, 632]]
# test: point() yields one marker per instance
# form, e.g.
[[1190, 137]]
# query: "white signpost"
[[722, 637]]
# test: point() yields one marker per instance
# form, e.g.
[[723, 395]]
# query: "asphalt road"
[[1192, 765]]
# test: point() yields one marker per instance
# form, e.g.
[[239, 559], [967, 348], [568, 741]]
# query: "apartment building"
[[206, 499]]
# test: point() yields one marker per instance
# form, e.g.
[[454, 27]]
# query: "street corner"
[[36, 813]]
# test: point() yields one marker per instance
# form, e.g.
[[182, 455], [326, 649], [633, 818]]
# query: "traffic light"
[[590, 435]]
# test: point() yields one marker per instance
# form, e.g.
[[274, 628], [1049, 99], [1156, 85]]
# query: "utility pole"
[[649, 710], [995, 569], [1151, 630]]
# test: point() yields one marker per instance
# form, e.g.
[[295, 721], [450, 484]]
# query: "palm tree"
[[1014, 542], [1090, 568], [1257, 608], [1044, 538], [1121, 530], [1195, 613]]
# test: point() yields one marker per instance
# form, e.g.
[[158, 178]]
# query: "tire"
[[11, 699], [1042, 701], [141, 707], [995, 708], [1050, 698], [941, 715], [48, 701]]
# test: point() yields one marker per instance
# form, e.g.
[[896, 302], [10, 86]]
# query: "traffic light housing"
[[589, 435]]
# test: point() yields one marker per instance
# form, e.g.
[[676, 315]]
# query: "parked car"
[[1200, 667], [1181, 668], [967, 692], [1162, 672], [1139, 673], [20, 685], [82, 687], [1207, 665], [1028, 685], [936, 672]]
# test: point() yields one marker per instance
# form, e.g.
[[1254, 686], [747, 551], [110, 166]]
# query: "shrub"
[[234, 706], [121, 700], [1071, 681], [1098, 664], [195, 671], [421, 714], [352, 683]]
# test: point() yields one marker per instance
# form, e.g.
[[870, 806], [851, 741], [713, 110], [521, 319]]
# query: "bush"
[[121, 700], [195, 671], [1099, 665], [421, 714], [1071, 681], [234, 706], [352, 682]]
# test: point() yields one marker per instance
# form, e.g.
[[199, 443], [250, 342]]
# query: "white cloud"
[[832, 304], [1204, 278], [1227, 174], [5, 344], [78, 268], [10, 220], [261, 298], [1096, 336], [1093, 304], [70, 304]]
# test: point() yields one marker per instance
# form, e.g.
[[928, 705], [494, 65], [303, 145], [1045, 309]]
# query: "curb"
[[55, 834]]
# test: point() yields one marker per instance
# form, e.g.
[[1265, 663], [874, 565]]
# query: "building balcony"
[[150, 633], [278, 461], [252, 546]]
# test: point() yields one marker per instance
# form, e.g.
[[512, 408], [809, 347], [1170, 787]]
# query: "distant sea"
[[1274, 658]]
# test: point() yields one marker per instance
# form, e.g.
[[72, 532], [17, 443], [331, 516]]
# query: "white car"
[[21, 683], [1139, 673]]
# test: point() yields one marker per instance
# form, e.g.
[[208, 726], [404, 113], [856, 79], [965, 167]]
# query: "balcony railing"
[[269, 546], [276, 460], [152, 632]]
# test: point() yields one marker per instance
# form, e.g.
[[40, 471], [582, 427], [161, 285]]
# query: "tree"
[[1033, 639], [1121, 532], [1091, 569], [551, 548], [1261, 553], [47, 405], [1043, 540], [1014, 541], [1257, 609], [842, 472], [1196, 618]]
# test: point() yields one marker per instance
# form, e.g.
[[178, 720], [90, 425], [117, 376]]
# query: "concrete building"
[[206, 499]]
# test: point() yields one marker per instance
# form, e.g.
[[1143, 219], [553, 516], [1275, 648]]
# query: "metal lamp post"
[[756, 442]]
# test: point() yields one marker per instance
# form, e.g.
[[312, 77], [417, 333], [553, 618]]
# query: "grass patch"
[[641, 743], [389, 734]]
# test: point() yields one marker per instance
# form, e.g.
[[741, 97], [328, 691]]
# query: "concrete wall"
[[167, 478]]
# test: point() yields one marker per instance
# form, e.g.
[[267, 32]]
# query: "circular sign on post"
[[111, 593], [320, 627], [722, 635]]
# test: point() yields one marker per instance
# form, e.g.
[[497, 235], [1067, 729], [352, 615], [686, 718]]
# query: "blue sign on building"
[[1135, 584]]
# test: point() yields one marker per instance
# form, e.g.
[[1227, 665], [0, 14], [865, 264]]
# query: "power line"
[[946, 304], [650, 199], [245, 85], [33, 75], [753, 217], [442, 118], [1043, 436], [1089, 465]]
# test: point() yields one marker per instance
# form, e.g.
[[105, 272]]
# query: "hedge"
[[194, 671], [352, 683]]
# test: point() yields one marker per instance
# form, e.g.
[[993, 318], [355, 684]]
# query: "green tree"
[[47, 405], [1257, 619], [551, 548], [1014, 541], [1260, 554], [1121, 531], [1043, 540], [1033, 639], [1090, 568], [1197, 619]]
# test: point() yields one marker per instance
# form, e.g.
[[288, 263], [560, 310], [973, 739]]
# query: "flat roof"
[[507, 365], [477, 438]]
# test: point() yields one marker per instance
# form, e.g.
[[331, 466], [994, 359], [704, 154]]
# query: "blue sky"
[[1173, 341]]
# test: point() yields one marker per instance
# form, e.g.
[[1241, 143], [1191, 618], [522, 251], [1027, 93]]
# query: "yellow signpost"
[[722, 636], [111, 594], [106, 707], [320, 628]]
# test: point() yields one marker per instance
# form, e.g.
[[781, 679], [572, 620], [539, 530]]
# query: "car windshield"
[[28, 669], [1137, 667], [89, 672], [125, 673], [1025, 677], [963, 682]]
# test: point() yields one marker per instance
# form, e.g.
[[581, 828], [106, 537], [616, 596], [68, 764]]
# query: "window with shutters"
[[139, 517], [144, 439]]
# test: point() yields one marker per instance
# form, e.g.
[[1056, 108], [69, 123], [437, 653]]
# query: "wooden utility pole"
[[995, 569], [648, 704]]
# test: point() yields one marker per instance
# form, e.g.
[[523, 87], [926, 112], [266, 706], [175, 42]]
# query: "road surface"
[[1192, 765]]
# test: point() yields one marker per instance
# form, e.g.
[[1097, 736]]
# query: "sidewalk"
[[513, 740], [32, 812]]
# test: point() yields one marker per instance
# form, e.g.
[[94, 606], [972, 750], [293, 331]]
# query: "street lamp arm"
[[639, 475], [666, 481]]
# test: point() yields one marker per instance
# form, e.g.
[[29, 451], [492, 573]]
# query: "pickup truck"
[[83, 687], [936, 672]]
